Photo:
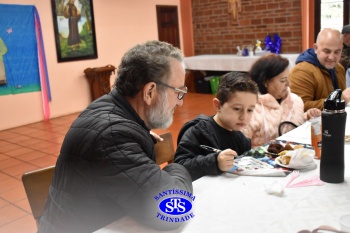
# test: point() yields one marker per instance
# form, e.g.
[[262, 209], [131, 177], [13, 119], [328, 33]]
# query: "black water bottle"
[[333, 136]]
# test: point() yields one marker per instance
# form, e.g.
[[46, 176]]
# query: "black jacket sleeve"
[[198, 161]]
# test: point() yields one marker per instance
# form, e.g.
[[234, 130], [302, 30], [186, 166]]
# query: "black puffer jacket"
[[106, 170]]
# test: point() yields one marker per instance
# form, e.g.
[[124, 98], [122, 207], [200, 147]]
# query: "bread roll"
[[285, 159], [288, 147]]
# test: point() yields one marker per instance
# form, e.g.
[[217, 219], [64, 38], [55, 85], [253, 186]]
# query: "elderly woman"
[[276, 103]]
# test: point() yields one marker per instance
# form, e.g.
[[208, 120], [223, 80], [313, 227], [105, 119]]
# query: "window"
[[331, 14]]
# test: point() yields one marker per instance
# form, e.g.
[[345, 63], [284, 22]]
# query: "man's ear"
[[149, 92], [216, 104], [315, 47]]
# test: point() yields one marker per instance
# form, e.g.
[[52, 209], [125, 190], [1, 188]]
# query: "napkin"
[[274, 188], [301, 157]]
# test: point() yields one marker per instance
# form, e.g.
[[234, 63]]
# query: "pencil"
[[210, 148]]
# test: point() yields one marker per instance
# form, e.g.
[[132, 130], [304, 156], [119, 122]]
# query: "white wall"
[[119, 25]]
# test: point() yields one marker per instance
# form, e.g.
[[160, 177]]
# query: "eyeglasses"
[[181, 93]]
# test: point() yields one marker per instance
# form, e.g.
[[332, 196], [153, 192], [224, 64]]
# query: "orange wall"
[[187, 27], [308, 23], [119, 25]]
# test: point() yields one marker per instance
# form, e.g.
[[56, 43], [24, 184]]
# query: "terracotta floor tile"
[[19, 169], [57, 139], [6, 134], [9, 183], [43, 125], [41, 145], [31, 155], [14, 195], [30, 131], [9, 163], [3, 176], [24, 205], [3, 203], [31, 141], [61, 121], [4, 143], [52, 150], [43, 132], [19, 151], [4, 157], [19, 139], [48, 136], [25, 224], [44, 161], [60, 129], [10, 213], [23, 130], [9, 147]]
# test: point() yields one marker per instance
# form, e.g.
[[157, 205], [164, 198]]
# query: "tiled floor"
[[37, 145]]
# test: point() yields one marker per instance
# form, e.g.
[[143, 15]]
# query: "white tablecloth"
[[227, 62], [230, 203]]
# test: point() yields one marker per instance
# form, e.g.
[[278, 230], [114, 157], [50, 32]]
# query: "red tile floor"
[[37, 145]]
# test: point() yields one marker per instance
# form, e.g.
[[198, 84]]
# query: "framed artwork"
[[74, 30]]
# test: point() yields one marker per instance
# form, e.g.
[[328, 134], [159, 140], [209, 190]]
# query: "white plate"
[[308, 167]]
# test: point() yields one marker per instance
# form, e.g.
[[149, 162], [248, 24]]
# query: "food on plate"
[[301, 157], [288, 147], [282, 153], [275, 148], [280, 150], [298, 147], [284, 159]]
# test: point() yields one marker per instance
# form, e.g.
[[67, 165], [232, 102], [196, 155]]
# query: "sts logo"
[[175, 206]]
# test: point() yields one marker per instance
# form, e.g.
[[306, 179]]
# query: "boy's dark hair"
[[233, 82]]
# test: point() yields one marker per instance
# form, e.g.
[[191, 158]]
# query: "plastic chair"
[[36, 184], [165, 150]]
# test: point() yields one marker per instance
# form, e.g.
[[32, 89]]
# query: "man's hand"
[[346, 95], [313, 112]]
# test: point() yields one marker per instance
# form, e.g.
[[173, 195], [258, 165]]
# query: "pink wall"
[[119, 25]]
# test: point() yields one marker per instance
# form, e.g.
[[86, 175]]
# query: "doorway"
[[168, 25]]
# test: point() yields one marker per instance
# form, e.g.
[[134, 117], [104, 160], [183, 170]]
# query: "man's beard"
[[160, 116]]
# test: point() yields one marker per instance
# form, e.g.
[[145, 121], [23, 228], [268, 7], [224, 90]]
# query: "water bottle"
[[333, 136]]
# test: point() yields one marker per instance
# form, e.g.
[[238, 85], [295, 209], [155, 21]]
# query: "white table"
[[230, 203], [227, 62]]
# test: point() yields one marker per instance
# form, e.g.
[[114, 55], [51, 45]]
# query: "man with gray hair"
[[106, 168]]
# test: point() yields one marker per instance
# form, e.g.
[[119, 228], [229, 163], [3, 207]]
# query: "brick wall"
[[216, 33]]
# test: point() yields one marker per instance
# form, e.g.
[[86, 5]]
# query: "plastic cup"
[[345, 222]]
